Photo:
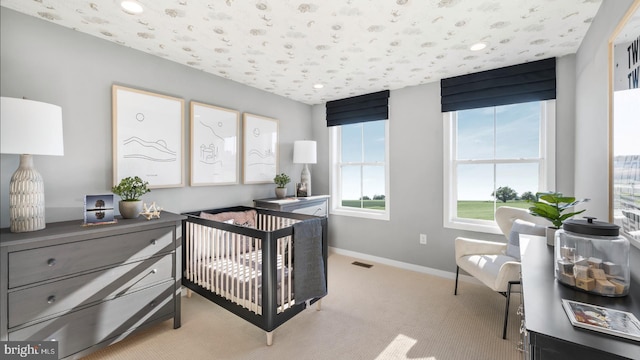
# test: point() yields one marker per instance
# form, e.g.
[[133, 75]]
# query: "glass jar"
[[592, 256]]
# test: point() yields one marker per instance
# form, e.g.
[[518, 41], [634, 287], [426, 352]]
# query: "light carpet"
[[378, 313]]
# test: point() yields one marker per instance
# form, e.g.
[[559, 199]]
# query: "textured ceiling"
[[352, 47]]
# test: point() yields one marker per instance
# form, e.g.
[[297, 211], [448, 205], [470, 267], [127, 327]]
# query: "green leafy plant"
[[551, 206], [282, 180], [131, 188]]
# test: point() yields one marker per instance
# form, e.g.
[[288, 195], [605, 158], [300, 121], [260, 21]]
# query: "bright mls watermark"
[[41, 350]]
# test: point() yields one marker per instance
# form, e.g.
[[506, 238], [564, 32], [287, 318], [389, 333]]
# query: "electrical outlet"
[[423, 239]]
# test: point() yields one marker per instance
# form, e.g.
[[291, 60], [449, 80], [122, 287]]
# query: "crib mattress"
[[241, 277]]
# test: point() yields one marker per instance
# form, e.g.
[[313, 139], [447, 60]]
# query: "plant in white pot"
[[551, 206], [281, 181], [130, 189]]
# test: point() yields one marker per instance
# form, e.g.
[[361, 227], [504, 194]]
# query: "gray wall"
[[592, 113], [46, 62], [416, 165], [49, 63]]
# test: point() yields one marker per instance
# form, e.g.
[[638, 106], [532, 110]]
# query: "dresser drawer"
[[319, 209], [103, 322], [30, 266], [81, 291]]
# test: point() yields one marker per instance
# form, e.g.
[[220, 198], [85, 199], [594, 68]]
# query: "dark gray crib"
[[249, 268]]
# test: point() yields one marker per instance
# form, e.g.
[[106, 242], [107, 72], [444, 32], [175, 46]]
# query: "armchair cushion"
[[495, 271], [466, 246], [521, 227], [487, 262]]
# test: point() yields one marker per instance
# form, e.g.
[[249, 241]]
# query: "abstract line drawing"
[[138, 148], [148, 137], [214, 145], [260, 149]]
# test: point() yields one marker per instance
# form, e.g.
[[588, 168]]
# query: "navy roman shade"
[[533, 81], [357, 109]]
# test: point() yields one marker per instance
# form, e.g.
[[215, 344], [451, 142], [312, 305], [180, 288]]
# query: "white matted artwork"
[[147, 137], [214, 145], [260, 144]]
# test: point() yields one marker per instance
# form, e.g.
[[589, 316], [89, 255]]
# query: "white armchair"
[[497, 264]]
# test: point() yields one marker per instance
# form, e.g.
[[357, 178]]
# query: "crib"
[[244, 258]]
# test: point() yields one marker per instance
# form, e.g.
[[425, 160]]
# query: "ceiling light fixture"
[[318, 86], [478, 46], [131, 7]]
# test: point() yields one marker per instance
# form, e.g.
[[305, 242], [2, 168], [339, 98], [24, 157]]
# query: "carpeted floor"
[[377, 313]]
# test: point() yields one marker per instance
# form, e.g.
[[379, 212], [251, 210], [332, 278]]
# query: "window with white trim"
[[359, 170], [496, 156]]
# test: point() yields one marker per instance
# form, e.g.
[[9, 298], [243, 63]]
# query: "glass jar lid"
[[591, 227]]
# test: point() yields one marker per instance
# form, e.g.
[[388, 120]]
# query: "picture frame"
[[214, 139], [148, 132], [260, 149], [301, 189], [99, 209], [602, 319]]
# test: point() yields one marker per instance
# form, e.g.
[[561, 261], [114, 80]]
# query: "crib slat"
[[290, 268], [229, 264]]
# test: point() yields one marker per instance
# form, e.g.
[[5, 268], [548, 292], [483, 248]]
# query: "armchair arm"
[[510, 271], [466, 246]]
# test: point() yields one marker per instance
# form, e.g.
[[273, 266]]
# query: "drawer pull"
[[154, 271], [51, 262], [51, 299], [153, 242], [152, 304]]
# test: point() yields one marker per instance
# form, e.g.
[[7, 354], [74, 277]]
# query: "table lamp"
[[28, 128], [304, 152]]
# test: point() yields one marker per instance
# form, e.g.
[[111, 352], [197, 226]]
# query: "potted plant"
[[551, 206], [130, 189], [281, 181]]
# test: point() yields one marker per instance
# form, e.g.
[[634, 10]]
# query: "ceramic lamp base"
[[26, 198]]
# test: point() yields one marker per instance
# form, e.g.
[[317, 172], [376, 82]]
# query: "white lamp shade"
[[30, 127], [304, 152]]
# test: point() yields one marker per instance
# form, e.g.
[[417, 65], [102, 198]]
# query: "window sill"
[[485, 227], [361, 214]]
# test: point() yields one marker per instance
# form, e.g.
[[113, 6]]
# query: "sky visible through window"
[[498, 133], [363, 143]]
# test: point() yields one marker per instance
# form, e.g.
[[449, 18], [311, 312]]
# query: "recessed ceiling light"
[[131, 7], [478, 46], [318, 86]]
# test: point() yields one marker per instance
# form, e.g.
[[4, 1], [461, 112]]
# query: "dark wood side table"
[[313, 205], [549, 335]]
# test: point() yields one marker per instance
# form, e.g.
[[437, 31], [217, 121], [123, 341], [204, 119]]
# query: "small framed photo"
[[98, 209], [301, 190]]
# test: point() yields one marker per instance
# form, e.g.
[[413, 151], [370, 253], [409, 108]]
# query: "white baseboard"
[[403, 265]]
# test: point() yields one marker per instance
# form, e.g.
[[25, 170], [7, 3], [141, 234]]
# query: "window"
[[495, 156], [359, 171]]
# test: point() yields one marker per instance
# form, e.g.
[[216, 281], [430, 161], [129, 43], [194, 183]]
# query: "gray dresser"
[[89, 287], [312, 205]]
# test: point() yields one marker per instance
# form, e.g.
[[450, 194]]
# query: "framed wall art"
[[260, 149], [214, 145], [147, 137]]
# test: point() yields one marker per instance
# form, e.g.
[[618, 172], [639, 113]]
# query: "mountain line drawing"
[[156, 151]]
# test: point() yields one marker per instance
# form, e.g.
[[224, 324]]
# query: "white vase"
[[551, 236], [281, 193], [130, 209]]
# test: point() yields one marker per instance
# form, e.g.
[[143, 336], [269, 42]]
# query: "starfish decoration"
[[151, 211]]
